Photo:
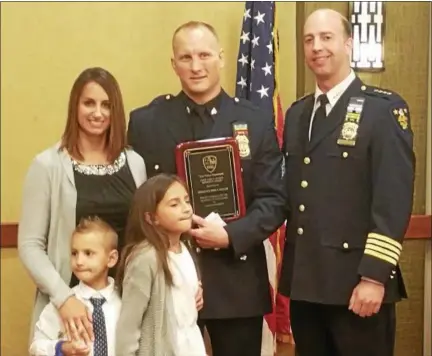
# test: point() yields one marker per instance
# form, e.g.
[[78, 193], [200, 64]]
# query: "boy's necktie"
[[100, 346]]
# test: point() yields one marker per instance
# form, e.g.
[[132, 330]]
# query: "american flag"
[[257, 81], [257, 60]]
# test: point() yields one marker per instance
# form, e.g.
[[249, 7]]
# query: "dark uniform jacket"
[[350, 205], [235, 280]]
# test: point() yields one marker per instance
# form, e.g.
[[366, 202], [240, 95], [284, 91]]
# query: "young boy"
[[94, 251]]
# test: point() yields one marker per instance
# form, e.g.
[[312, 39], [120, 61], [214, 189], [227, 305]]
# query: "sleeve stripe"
[[385, 239], [383, 251], [380, 256], [384, 245]]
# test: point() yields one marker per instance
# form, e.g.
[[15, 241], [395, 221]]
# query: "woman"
[[90, 172]]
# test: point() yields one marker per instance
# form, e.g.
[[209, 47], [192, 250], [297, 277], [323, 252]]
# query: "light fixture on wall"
[[368, 21]]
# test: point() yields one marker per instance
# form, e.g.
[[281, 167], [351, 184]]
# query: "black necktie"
[[201, 112], [201, 122], [100, 346], [320, 115]]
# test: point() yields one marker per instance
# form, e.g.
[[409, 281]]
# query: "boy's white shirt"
[[49, 328]]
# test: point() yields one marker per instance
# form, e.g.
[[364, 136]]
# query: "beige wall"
[[429, 128], [45, 46], [428, 257], [17, 296]]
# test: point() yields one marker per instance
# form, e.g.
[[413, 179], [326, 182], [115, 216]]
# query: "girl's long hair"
[[138, 230]]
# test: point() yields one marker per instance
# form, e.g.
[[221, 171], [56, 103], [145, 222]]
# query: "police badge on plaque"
[[212, 171]]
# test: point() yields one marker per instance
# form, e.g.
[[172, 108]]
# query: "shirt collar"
[[212, 106], [336, 92], [87, 292]]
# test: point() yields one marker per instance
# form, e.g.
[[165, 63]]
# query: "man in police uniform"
[[350, 171], [232, 258]]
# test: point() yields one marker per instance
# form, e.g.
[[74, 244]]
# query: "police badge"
[[241, 135], [349, 131]]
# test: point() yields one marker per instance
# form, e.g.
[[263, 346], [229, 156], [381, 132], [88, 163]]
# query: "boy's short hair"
[[96, 224]]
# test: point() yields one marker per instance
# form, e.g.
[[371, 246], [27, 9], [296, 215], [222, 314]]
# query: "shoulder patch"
[[401, 115]]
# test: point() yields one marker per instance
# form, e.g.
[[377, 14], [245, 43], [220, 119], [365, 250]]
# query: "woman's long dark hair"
[[116, 138], [138, 230]]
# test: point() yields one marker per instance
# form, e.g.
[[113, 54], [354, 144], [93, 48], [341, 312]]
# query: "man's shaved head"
[[192, 25], [330, 14], [197, 60]]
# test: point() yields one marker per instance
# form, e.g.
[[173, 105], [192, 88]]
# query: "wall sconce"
[[368, 21]]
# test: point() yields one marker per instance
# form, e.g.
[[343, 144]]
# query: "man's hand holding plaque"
[[212, 172], [210, 232]]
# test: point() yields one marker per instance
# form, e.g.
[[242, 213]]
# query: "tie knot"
[[97, 302], [323, 100], [200, 110]]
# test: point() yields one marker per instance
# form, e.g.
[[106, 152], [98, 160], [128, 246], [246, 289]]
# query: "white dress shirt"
[[189, 341], [49, 328], [333, 96]]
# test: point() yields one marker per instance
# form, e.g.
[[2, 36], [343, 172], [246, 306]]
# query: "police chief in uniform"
[[232, 258], [350, 172]]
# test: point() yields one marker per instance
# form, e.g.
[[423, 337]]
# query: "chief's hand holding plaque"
[[212, 171]]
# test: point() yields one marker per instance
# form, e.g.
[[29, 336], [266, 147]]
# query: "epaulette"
[[397, 106], [304, 97], [381, 93], [245, 103], [156, 101], [161, 98]]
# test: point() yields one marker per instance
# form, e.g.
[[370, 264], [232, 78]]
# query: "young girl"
[[156, 275]]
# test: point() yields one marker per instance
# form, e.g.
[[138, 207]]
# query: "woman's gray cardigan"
[[48, 220]]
